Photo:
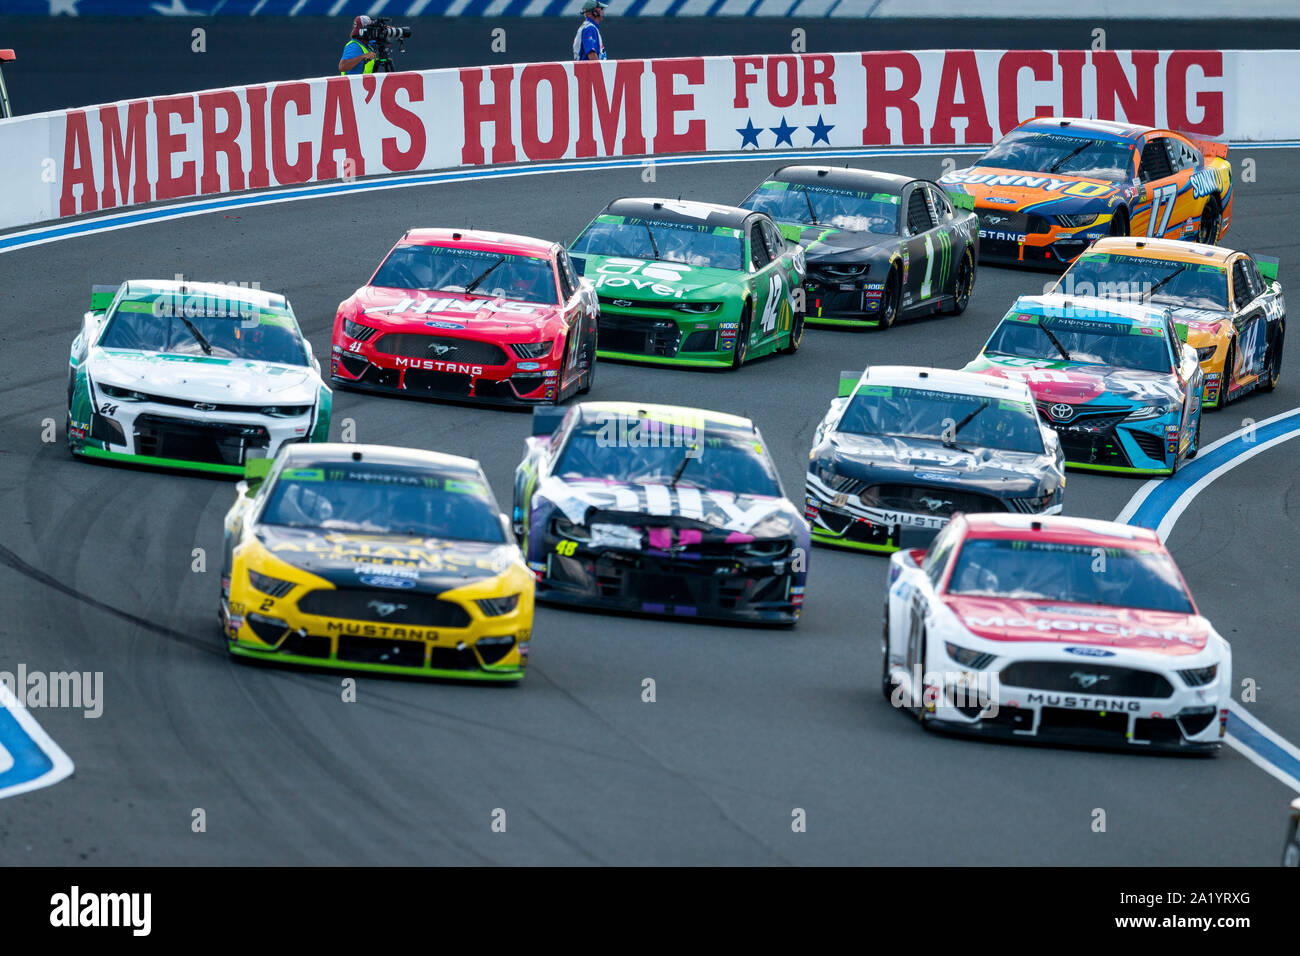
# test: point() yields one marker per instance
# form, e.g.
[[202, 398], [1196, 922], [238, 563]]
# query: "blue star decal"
[[749, 135], [821, 130], [783, 132]]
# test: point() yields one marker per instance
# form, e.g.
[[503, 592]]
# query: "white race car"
[[192, 375], [1054, 629]]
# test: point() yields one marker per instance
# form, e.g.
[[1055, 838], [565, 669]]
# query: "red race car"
[[470, 316]]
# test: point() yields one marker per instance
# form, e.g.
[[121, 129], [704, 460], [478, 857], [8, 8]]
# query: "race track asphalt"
[[96, 574]]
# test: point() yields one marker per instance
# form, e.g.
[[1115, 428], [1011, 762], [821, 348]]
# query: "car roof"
[[1175, 250], [480, 241], [1104, 129], [677, 210], [143, 290], [591, 411], [1061, 305], [946, 380], [841, 177], [302, 454], [1062, 529]]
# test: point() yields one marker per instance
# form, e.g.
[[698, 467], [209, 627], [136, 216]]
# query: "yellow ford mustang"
[[373, 558], [1227, 305]]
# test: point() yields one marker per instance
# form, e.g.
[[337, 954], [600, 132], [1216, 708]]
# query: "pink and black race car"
[[1054, 629], [468, 316]]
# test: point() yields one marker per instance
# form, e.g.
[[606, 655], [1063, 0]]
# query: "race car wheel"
[[742, 337], [965, 284], [886, 682], [1119, 223], [796, 334], [1208, 230], [1196, 439], [1229, 363], [890, 300], [1273, 370], [589, 376]]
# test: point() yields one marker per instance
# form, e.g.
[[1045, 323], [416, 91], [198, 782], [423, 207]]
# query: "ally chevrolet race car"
[[373, 558], [1121, 389], [1227, 305], [1051, 187], [690, 283], [659, 510], [469, 316], [903, 449], [1063, 630], [877, 246], [191, 375]]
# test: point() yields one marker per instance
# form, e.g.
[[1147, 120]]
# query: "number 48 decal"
[[1163, 195]]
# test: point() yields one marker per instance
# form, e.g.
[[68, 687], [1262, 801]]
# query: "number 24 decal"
[[1162, 195]]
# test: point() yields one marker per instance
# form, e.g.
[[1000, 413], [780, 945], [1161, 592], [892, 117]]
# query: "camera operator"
[[358, 55]]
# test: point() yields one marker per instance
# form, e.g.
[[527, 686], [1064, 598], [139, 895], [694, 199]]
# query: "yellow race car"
[[1227, 305], [372, 558]]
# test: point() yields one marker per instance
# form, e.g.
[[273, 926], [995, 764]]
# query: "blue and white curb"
[[29, 758]]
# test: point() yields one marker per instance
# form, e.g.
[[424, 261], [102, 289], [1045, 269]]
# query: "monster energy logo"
[[945, 266]]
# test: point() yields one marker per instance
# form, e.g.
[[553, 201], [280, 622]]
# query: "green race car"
[[689, 283]]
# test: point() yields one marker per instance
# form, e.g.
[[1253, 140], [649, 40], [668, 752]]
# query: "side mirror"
[[507, 528], [917, 555]]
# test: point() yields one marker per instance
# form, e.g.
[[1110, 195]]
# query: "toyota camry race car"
[[1227, 305], [877, 246], [903, 449], [373, 558], [1057, 629], [1121, 389], [660, 510], [191, 375], [690, 283], [1051, 187], [469, 316]]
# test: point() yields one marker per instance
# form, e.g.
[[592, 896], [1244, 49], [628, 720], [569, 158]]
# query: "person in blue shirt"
[[358, 57], [587, 43]]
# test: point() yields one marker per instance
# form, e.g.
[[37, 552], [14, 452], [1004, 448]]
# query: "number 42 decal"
[[1162, 195], [775, 289]]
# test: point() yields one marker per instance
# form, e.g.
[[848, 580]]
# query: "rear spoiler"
[[1267, 267], [101, 297], [1218, 150], [547, 418], [848, 382], [961, 200]]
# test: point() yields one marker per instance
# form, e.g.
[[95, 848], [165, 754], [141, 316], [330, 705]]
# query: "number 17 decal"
[[1163, 195]]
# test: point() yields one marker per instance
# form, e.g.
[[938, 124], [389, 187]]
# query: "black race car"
[[878, 245]]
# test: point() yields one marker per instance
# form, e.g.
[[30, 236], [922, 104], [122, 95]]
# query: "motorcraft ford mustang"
[[373, 558], [1054, 629], [191, 375], [1051, 187], [877, 246], [903, 449], [469, 316], [690, 283], [1121, 389], [660, 510], [1227, 305]]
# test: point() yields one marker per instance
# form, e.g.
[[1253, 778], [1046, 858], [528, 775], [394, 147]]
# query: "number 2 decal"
[[1162, 195], [774, 291]]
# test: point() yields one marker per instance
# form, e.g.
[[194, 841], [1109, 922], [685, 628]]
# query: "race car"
[[1051, 187], [877, 246], [1291, 846], [1121, 389], [903, 449], [1227, 305], [469, 316], [191, 375], [659, 510], [371, 558], [691, 283], [1053, 629]]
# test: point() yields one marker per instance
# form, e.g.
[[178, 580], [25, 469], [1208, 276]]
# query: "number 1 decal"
[[929, 267], [1163, 195]]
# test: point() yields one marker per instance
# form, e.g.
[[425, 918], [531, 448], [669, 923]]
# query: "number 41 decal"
[[1162, 195]]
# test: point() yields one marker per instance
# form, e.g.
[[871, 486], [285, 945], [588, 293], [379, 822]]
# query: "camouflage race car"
[[689, 283], [1227, 305], [656, 509], [1051, 187], [877, 246], [372, 558]]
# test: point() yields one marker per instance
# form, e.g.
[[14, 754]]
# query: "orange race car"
[[1227, 305], [1051, 187]]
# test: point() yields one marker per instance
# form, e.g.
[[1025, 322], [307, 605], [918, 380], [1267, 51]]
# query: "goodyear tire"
[[891, 300], [1207, 231], [1119, 223], [1273, 372], [964, 285], [742, 337]]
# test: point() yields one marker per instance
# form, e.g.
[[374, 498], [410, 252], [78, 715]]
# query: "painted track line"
[[29, 757]]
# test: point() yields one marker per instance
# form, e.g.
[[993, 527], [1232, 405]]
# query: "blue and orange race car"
[[1051, 187]]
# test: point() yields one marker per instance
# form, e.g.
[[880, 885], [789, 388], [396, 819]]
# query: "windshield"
[[715, 247], [439, 269], [218, 333], [655, 453], [947, 417], [1069, 573], [379, 499], [1139, 279], [1085, 342], [1040, 152], [820, 205]]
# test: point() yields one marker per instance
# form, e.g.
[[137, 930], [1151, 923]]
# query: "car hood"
[[1074, 384], [719, 511], [1200, 321], [824, 243], [200, 378], [430, 312], [430, 565], [1019, 190], [1156, 632], [892, 459], [639, 280]]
